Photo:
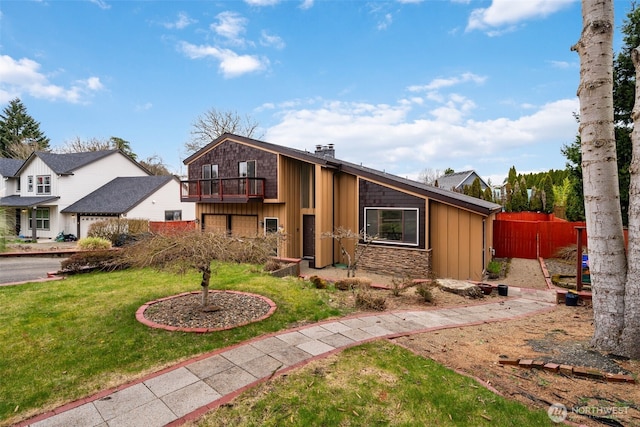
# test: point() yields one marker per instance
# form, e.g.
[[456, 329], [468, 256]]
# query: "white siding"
[[166, 198], [71, 188]]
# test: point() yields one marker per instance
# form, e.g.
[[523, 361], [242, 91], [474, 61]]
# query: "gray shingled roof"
[[66, 163], [10, 167], [119, 196], [446, 196], [26, 202], [453, 180]]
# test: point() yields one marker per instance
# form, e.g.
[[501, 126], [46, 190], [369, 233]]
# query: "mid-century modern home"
[[244, 186], [69, 192]]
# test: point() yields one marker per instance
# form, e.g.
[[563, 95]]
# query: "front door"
[[308, 236]]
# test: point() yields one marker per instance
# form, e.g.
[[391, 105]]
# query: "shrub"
[[398, 286], [119, 230], [94, 243], [353, 283], [318, 282], [272, 265], [368, 301], [425, 290], [81, 262]]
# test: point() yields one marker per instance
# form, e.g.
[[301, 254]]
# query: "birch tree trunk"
[[630, 342], [607, 256]]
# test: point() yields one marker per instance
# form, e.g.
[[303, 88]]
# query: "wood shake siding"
[[227, 155], [373, 195]]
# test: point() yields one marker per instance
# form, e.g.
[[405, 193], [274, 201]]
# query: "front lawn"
[[68, 339], [374, 384]]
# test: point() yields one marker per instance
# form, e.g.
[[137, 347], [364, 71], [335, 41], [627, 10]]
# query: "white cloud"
[[230, 25], [143, 107], [267, 39], [306, 4], [385, 22], [181, 22], [440, 83], [262, 2], [231, 64], [101, 4], [507, 13], [383, 136], [23, 76]]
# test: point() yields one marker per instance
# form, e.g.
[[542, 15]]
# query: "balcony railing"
[[222, 190]]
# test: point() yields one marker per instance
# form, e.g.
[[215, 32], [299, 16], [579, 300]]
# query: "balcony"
[[222, 190]]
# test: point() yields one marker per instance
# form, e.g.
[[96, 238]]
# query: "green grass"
[[68, 339], [375, 384]]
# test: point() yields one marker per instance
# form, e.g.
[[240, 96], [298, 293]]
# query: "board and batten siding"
[[345, 212], [457, 241]]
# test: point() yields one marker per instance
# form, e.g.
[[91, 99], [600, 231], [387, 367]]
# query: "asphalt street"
[[20, 269]]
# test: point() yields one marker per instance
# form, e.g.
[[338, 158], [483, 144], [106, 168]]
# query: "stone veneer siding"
[[401, 262]]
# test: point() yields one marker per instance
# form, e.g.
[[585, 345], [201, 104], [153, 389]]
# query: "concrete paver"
[[174, 395]]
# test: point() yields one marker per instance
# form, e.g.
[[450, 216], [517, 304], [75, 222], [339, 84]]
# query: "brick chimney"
[[326, 150]]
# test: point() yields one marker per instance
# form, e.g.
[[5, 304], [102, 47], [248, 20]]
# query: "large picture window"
[[43, 184], [392, 225], [43, 221]]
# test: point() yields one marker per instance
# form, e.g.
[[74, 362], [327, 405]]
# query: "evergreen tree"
[[18, 127], [476, 189], [535, 204], [524, 195], [516, 198], [548, 195], [488, 194]]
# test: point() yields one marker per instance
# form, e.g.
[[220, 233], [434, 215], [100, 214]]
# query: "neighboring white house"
[[48, 188]]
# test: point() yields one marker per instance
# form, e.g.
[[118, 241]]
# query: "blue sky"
[[400, 86]]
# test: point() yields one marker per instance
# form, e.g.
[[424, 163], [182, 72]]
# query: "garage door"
[[215, 223], [244, 225]]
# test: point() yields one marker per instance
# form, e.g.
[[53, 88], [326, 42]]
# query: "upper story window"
[[392, 225], [307, 186], [30, 184], [247, 169], [18, 185], [209, 172], [43, 184]]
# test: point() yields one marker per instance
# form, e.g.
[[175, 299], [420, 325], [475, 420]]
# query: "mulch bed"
[[186, 311]]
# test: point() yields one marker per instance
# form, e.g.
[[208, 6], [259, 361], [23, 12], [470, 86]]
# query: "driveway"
[[21, 269]]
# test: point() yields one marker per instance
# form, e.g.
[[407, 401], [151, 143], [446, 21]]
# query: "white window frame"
[[271, 218], [40, 219], [30, 184], [46, 184], [369, 237]]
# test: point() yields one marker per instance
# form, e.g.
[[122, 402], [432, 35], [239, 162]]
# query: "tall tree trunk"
[[600, 174], [630, 342]]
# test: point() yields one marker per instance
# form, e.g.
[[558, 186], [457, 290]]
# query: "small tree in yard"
[[342, 236], [198, 250]]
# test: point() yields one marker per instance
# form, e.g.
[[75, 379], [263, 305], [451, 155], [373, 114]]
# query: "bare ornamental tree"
[[214, 123], [186, 251]]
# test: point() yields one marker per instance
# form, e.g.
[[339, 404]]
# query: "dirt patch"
[[561, 336]]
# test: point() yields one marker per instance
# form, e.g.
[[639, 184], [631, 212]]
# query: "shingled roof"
[[450, 197], [66, 163], [119, 196], [10, 167]]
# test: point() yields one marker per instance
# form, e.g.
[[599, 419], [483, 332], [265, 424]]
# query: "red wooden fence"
[[171, 226], [532, 235]]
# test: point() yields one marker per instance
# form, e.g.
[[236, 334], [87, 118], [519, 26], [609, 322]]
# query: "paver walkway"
[[192, 388]]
